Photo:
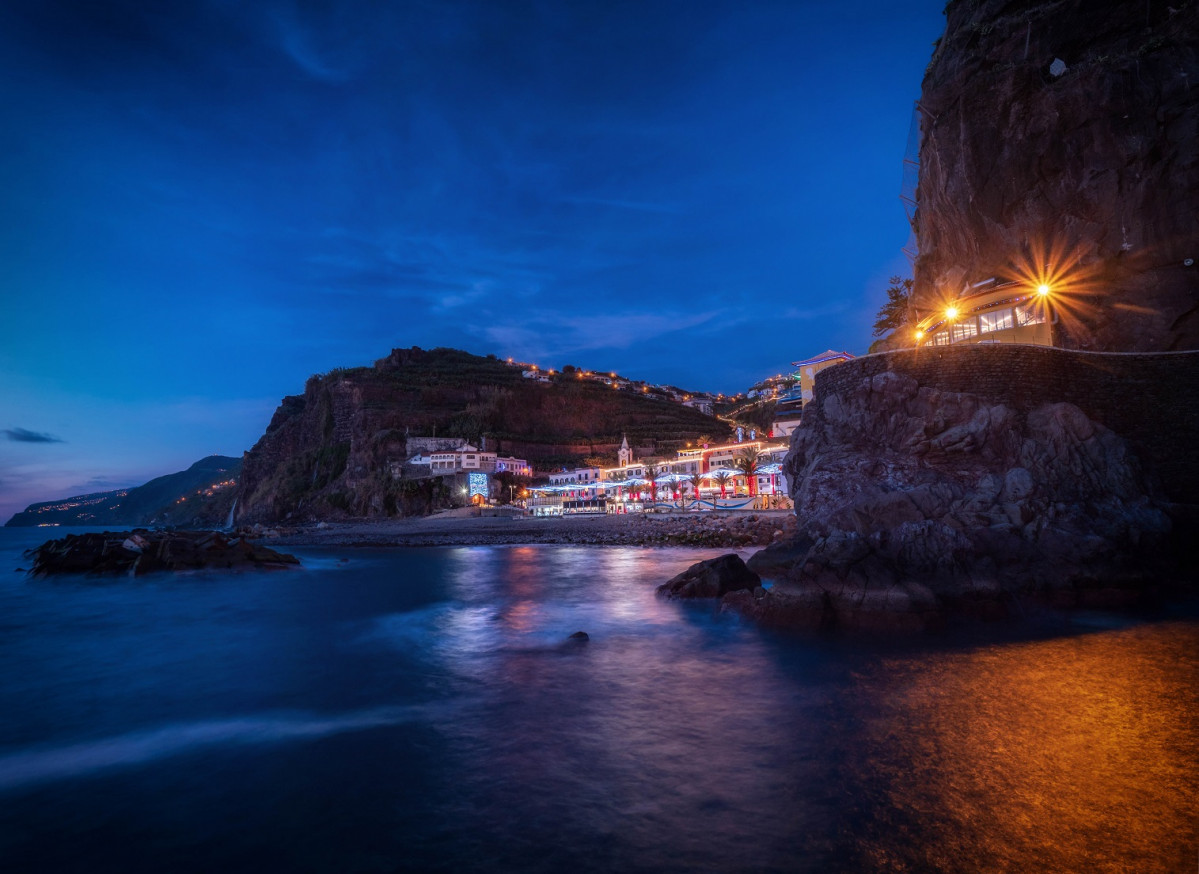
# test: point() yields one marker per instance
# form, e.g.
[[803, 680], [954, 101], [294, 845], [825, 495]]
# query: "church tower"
[[625, 456]]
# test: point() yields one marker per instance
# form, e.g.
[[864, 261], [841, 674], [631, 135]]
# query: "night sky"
[[206, 202]]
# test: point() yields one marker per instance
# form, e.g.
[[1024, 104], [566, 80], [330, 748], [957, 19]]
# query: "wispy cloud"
[[23, 435], [568, 334], [100, 484]]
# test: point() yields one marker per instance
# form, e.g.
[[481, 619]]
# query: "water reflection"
[[1061, 755], [424, 710]]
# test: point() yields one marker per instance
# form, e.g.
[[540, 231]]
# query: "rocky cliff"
[[338, 449], [969, 478], [1061, 140]]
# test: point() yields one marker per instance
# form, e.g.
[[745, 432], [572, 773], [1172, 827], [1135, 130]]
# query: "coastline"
[[733, 530]]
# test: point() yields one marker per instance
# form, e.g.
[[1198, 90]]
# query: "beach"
[[464, 527]]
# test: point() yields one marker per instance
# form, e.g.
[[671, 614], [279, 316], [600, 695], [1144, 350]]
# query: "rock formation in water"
[[141, 552], [713, 578], [915, 499], [1066, 134]]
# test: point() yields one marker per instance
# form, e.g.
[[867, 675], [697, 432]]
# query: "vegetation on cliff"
[[340, 448]]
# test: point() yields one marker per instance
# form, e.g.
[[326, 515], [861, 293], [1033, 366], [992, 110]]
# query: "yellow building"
[[809, 368], [992, 312]]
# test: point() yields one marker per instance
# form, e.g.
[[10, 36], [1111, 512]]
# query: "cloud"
[[21, 435], [100, 484], [567, 334]]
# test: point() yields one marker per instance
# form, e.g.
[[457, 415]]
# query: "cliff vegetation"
[[339, 448]]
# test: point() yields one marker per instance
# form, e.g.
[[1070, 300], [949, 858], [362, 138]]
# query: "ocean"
[[425, 710]]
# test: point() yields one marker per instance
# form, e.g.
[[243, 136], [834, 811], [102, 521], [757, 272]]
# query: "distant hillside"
[[200, 496], [333, 449]]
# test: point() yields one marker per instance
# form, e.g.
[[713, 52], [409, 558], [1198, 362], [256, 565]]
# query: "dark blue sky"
[[206, 202]]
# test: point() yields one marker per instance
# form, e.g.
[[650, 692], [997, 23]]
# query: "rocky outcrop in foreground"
[[713, 578], [915, 502], [141, 552]]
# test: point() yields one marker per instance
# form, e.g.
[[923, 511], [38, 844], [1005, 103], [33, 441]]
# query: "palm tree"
[[696, 480], [748, 462], [722, 479], [651, 473]]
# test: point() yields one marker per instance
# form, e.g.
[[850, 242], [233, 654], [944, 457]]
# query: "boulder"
[[141, 552], [713, 578]]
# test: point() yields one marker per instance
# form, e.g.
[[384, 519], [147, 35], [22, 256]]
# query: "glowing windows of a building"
[[996, 320], [964, 330], [1030, 315]]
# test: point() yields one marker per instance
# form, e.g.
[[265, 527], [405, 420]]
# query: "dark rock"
[[580, 636], [914, 502], [779, 559], [141, 552], [1019, 172], [713, 578]]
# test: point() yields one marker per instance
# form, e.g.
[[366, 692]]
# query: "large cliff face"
[[969, 478], [338, 448], [1092, 169]]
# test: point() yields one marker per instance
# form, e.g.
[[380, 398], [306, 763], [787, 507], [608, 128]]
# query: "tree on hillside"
[[748, 462], [897, 312]]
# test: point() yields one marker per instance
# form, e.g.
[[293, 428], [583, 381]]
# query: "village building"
[[466, 457], [581, 475], [992, 311], [807, 369]]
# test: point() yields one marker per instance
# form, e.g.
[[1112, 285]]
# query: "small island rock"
[[713, 578]]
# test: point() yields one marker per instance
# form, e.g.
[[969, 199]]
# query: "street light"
[[1043, 290]]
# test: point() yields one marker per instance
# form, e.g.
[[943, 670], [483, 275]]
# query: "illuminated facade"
[[992, 312], [807, 370], [467, 457]]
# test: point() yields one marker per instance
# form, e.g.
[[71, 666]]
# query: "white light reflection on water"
[[82, 760], [424, 710]]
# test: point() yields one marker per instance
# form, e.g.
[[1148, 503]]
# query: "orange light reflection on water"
[[1064, 755]]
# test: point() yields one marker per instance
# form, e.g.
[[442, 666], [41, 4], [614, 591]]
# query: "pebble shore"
[[734, 530]]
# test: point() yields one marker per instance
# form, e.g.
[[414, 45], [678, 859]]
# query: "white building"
[[583, 475], [467, 457]]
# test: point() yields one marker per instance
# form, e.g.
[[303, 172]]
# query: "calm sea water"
[[420, 710]]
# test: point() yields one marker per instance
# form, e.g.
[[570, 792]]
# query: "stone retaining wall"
[[1148, 399]]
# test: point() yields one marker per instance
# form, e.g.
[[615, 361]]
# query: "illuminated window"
[[998, 320], [1030, 315], [964, 330]]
